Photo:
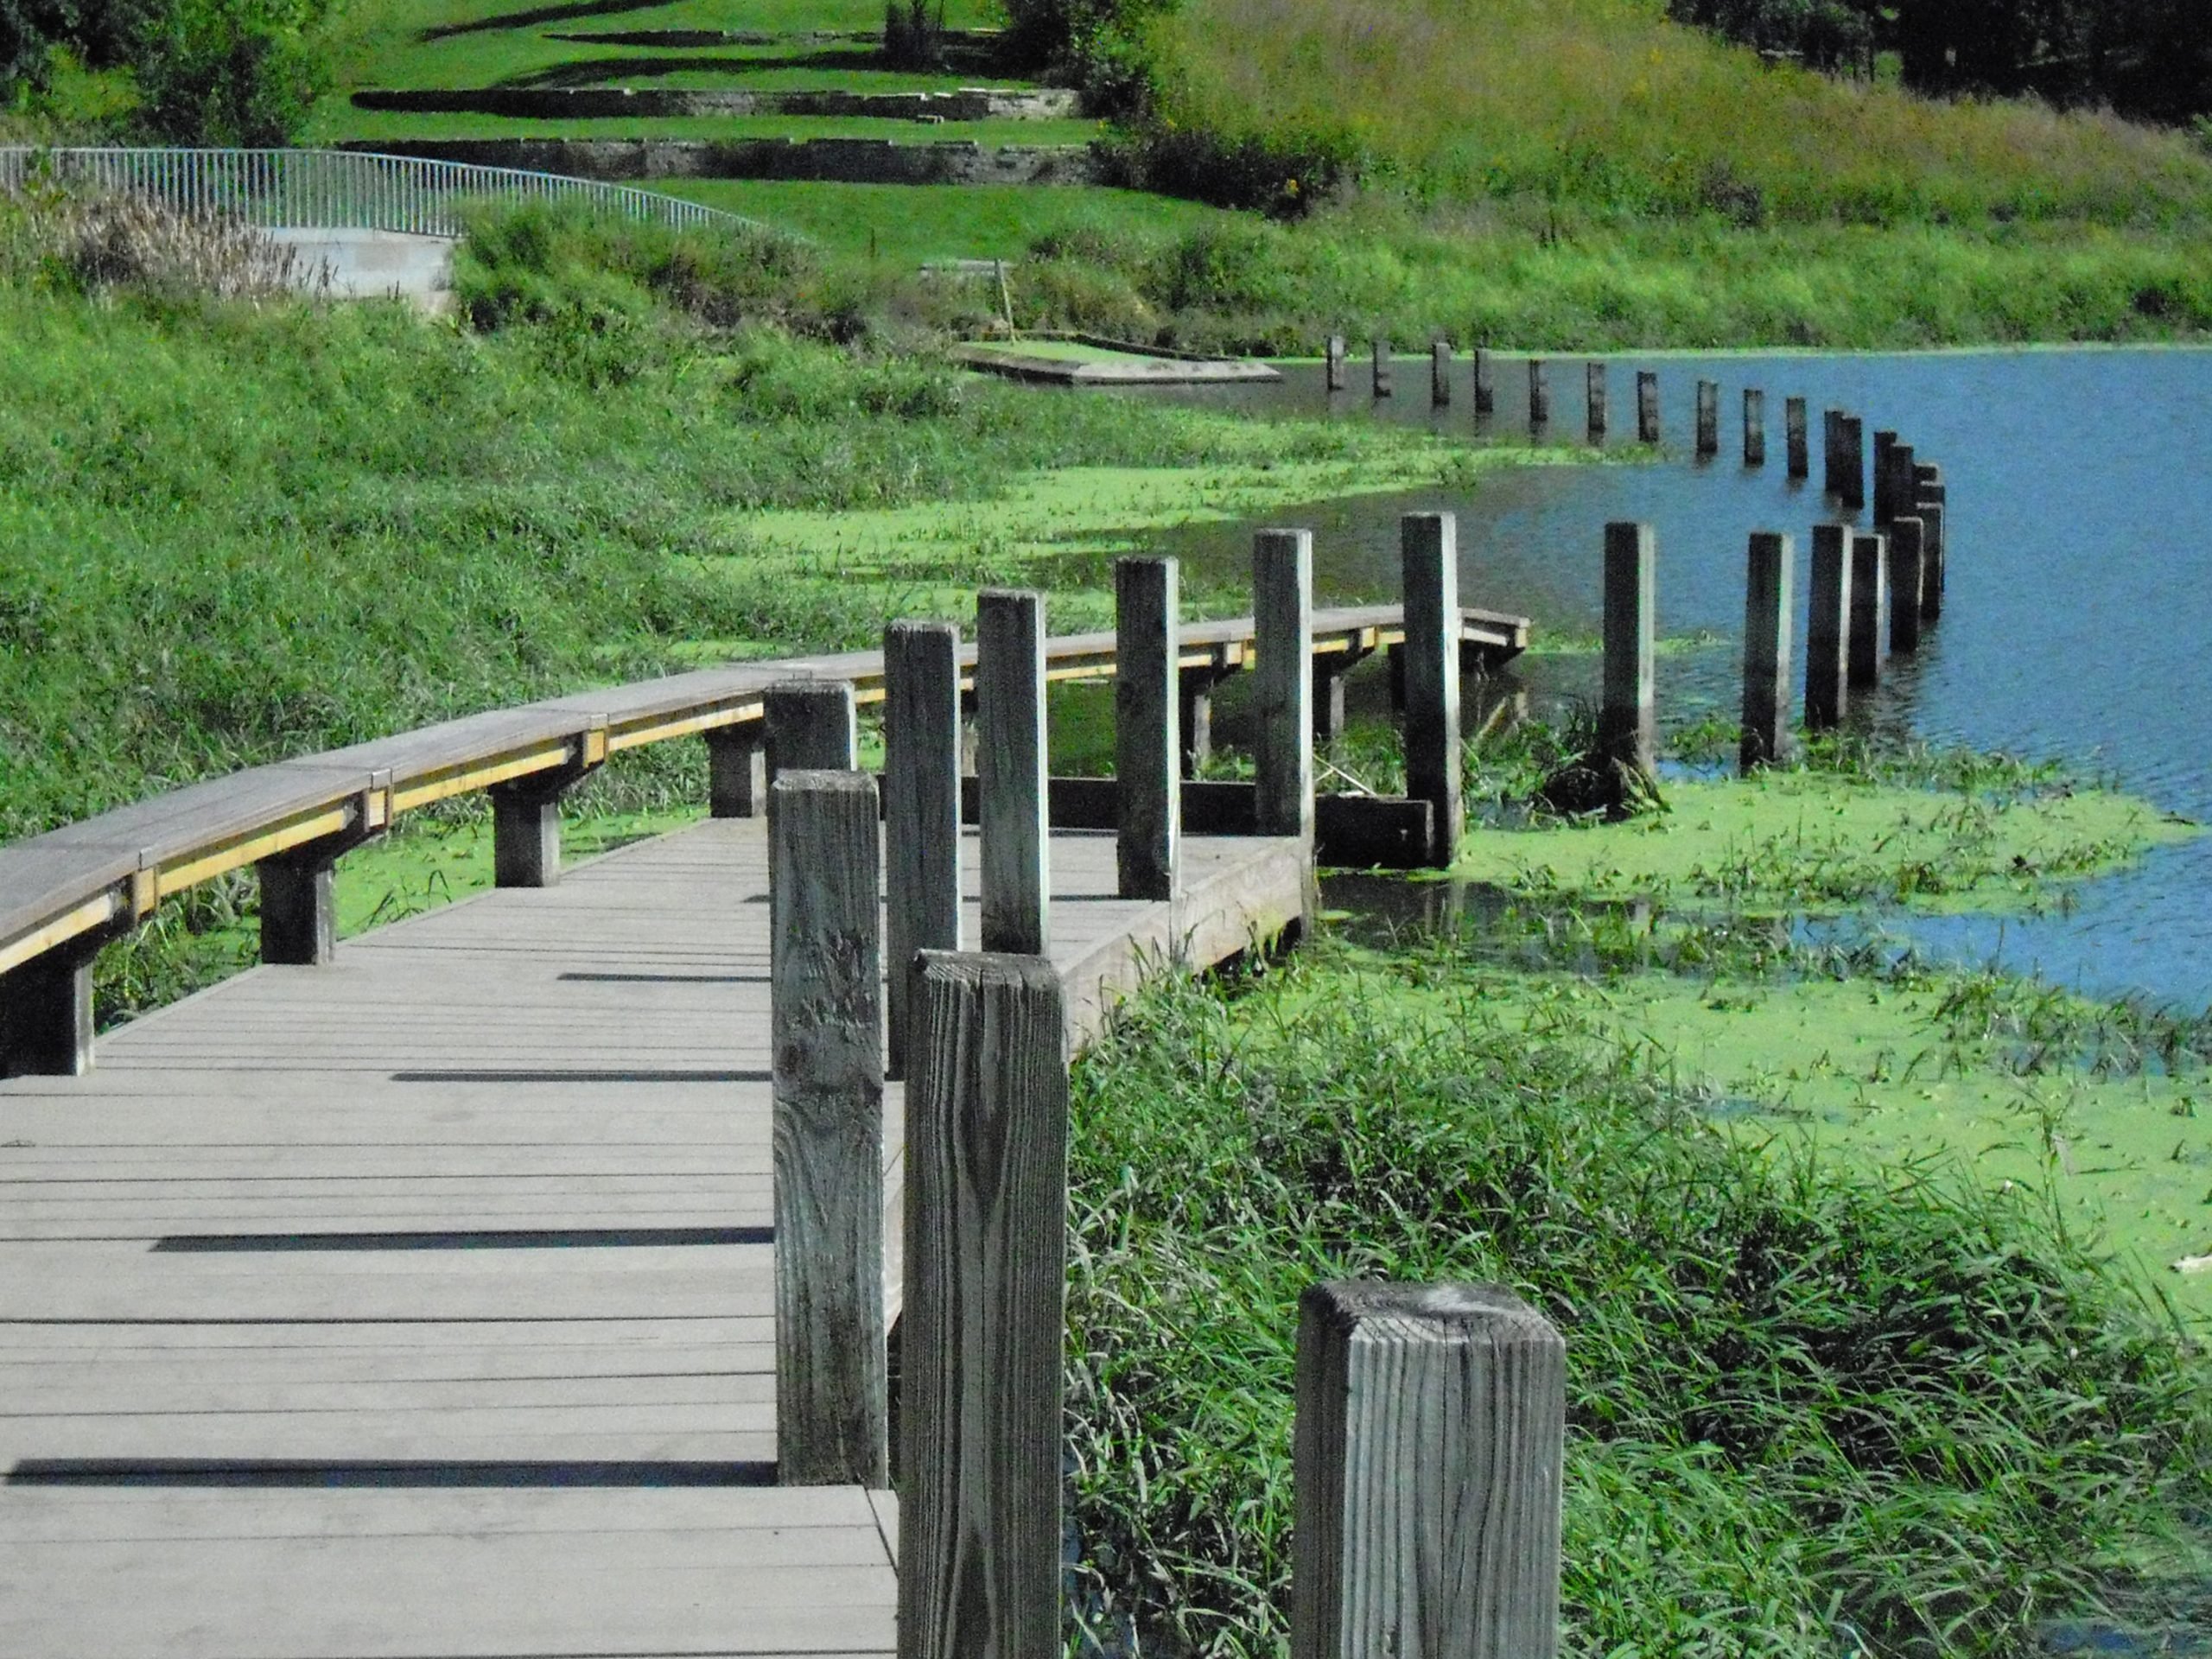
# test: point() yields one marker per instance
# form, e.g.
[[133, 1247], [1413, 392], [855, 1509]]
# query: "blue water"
[[2078, 623]]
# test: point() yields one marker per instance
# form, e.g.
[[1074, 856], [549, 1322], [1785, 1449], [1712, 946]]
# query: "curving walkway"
[[420, 1304]]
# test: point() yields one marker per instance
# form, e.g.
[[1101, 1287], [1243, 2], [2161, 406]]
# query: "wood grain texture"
[[1010, 760], [1797, 459], [1430, 1437], [1870, 599], [1626, 718], [831, 1386], [921, 807], [1282, 691], [985, 1306], [1147, 740], [1766, 650], [1647, 406], [811, 726], [1428, 556], [1827, 628]]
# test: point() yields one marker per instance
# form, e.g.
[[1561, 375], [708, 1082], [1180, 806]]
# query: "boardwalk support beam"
[[526, 815], [299, 912], [1431, 1434]]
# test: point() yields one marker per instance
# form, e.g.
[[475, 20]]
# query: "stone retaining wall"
[[577, 102], [837, 161]]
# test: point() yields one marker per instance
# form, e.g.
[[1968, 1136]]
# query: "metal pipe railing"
[[330, 189]]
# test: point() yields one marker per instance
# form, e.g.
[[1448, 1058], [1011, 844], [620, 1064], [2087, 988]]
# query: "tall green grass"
[[1811, 1410], [1602, 106]]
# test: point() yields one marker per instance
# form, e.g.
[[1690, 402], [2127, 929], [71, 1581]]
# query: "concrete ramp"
[[379, 264]]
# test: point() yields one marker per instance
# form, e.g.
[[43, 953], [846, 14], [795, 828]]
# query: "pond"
[[2078, 622]]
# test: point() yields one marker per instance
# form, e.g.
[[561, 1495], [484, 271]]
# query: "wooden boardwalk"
[[420, 1304]]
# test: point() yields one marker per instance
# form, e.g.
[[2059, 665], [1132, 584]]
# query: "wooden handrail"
[[109, 871]]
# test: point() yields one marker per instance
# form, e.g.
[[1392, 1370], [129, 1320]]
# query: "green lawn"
[[909, 225], [351, 124]]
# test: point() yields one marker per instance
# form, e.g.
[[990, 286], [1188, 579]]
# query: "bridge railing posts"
[[809, 726], [1010, 760], [527, 817], [921, 809], [982, 1312], [832, 1387], [299, 908], [737, 772], [1147, 749], [1427, 1473]]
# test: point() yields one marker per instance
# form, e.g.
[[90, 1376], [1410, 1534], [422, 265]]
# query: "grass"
[[1814, 1405], [373, 126]]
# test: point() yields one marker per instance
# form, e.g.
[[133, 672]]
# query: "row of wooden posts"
[[1413, 1401]]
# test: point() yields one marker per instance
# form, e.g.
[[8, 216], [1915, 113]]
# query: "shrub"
[[228, 71]]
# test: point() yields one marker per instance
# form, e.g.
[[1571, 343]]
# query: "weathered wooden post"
[[921, 808], [1850, 450], [984, 1303], [1870, 597], [1827, 628], [1147, 752], [1907, 569], [45, 1009], [1282, 682], [1428, 1452], [1334, 355], [526, 815], [1901, 490], [299, 898], [1539, 396], [1794, 441], [1647, 406], [1766, 651], [1381, 351], [1439, 373], [1486, 392], [1708, 419], [1884, 479], [1429, 561], [1931, 500], [1754, 426], [1594, 383], [1625, 721], [737, 771], [826, 1019], [1330, 673], [812, 726], [1832, 462], [1010, 760]]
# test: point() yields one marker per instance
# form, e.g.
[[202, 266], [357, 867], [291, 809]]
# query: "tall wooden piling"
[[1430, 1437], [1010, 760], [985, 1277], [1647, 406], [1901, 490], [1832, 462], [1766, 651], [1593, 378], [1486, 390], [832, 1386], [1907, 569], [1282, 682], [1439, 373], [1851, 449], [1333, 359], [921, 808], [1827, 628], [1754, 426], [1625, 719], [1884, 503], [1708, 419], [1148, 750], [1870, 597], [809, 726], [1380, 350], [1540, 395], [1429, 562], [1932, 501], [1793, 440]]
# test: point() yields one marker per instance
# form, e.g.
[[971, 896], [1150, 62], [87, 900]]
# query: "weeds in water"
[[1809, 1406]]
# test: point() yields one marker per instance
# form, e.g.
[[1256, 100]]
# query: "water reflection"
[[2080, 607]]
